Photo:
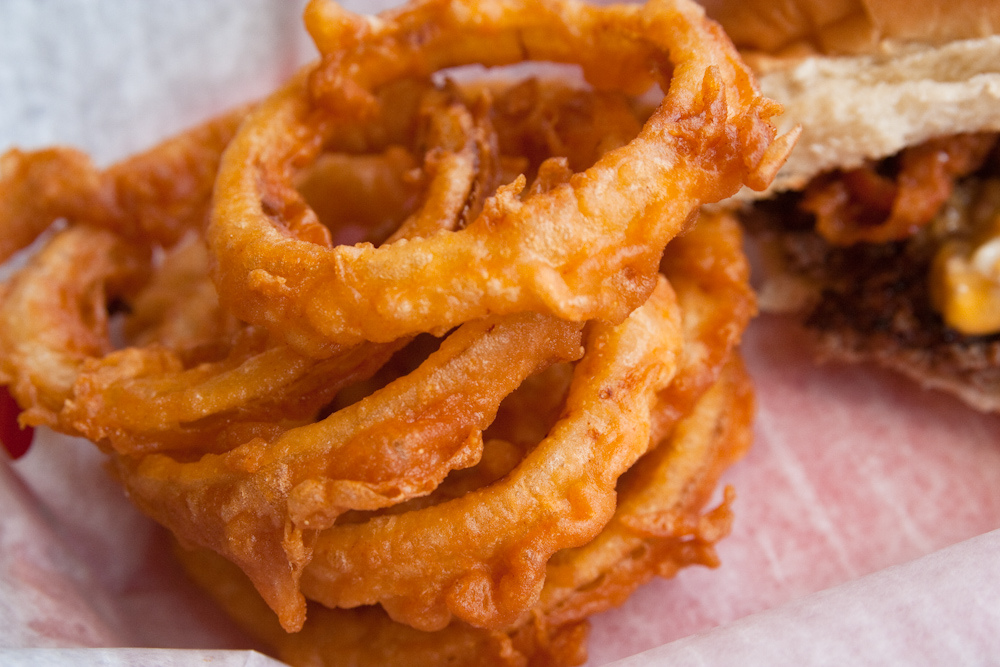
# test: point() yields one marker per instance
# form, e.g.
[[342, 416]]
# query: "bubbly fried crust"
[[588, 248], [160, 194], [657, 528], [716, 303], [430, 330], [396, 444]]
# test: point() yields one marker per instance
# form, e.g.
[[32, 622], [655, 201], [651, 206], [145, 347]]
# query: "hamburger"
[[882, 231]]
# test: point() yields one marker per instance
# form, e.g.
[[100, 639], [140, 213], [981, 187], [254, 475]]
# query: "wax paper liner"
[[864, 510]]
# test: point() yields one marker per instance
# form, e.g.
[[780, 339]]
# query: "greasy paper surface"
[[926, 612], [853, 470]]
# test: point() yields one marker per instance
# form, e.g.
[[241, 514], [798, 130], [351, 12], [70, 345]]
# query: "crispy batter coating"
[[588, 248], [160, 194], [486, 551], [659, 526], [452, 364]]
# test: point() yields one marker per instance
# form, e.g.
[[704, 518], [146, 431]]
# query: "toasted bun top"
[[851, 26]]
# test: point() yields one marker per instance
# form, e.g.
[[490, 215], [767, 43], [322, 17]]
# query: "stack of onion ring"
[[426, 354]]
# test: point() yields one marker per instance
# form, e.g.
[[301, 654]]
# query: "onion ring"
[[657, 529], [393, 445], [488, 580], [153, 397], [160, 194], [490, 575], [586, 249], [42, 346], [711, 276], [113, 397], [132, 380], [863, 206], [55, 342], [270, 419]]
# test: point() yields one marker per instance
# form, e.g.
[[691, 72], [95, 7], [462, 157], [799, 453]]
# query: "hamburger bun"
[[870, 82]]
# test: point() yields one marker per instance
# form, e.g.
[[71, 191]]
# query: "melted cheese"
[[965, 285]]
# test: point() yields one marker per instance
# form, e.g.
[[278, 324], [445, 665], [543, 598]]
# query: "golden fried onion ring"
[[166, 395], [586, 249], [219, 423], [148, 398], [160, 194], [413, 429], [53, 315], [490, 546], [488, 577], [657, 528], [396, 444]]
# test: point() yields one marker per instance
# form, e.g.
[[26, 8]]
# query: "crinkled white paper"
[[864, 510]]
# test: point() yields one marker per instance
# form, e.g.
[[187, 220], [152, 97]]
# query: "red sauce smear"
[[16, 440]]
